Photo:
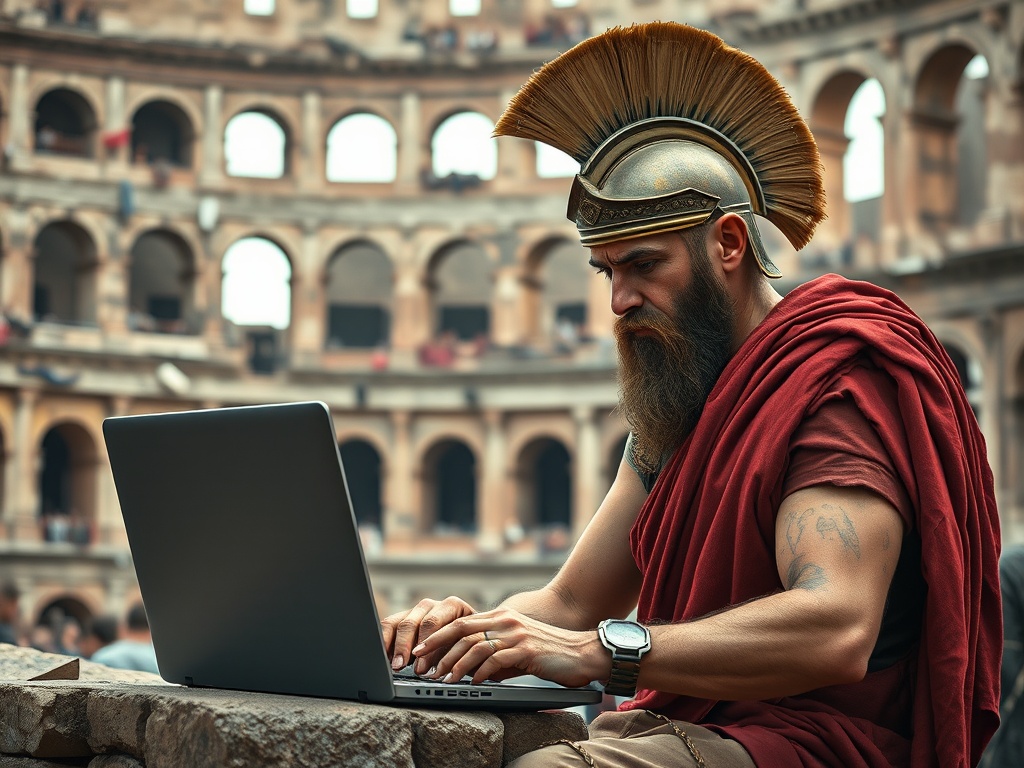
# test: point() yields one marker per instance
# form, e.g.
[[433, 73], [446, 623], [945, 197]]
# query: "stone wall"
[[110, 718]]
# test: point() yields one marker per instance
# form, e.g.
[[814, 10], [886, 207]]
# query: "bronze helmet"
[[670, 125]]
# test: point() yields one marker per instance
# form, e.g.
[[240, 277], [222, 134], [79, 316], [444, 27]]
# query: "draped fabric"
[[704, 539]]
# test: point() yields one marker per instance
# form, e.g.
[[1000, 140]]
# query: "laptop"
[[250, 565]]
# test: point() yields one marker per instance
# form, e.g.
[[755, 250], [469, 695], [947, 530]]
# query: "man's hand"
[[406, 629], [503, 643]]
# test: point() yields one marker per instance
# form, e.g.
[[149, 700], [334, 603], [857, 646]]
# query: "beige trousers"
[[640, 739]]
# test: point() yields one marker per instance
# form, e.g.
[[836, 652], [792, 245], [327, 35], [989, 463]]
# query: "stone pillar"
[[409, 137], [211, 172], [112, 277], [586, 469], [22, 512], [493, 513], [108, 521], [16, 278], [308, 303], [20, 120], [208, 283], [506, 328], [116, 160], [401, 522], [311, 163], [412, 324]]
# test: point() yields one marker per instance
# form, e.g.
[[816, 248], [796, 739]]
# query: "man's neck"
[[752, 309]]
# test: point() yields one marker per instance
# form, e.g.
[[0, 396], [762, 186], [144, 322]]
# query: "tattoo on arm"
[[837, 521], [797, 523], [801, 575]]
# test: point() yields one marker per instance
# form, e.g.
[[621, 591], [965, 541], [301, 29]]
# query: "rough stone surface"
[[142, 722]]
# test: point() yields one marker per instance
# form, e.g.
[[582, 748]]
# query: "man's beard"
[[665, 377]]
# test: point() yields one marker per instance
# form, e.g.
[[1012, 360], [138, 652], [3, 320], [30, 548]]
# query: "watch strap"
[[622, 681]]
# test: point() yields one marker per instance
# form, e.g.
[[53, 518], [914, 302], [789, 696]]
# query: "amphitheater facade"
[[448, 318]]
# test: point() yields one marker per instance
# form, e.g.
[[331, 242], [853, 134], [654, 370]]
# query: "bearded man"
[[804, 518]]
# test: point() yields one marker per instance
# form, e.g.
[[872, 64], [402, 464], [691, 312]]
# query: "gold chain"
[[575, 747], [697, 757]]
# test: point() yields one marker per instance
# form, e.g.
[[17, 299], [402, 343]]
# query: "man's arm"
[[599, 579], [836, 550]]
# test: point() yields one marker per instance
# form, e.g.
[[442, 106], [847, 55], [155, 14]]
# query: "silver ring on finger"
[[490, 641]]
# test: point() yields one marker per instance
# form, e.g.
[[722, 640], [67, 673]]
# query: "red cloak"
[[705, 538]]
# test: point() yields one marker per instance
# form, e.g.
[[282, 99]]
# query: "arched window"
[[461, 277], [255, 146], [363, 477], [65, 124], [972, 147], [162, 132], [450, 487], [462, 144], [64, 285], [359, 287], [362, 147], [361, 9], [864, 161], [565, 279], [259, 7], [257, 284], [162, 285], [67, 484]]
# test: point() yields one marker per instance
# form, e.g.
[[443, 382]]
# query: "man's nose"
[[624, 296]]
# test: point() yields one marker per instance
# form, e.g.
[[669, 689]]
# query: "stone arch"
[[65, 269], [69, 465], [375, 138], [450, 473], [257, 298], [162, 284], [934, 127], [968, 367], [556, 286], [543, 478], [364, 475], [827, 120], [359, 287], [162, 131], [461, 147], [258, 131], [459, 279], [66, 123]]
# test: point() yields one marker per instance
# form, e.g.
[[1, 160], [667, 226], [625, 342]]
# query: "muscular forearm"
[[551, 605], [779, 645]]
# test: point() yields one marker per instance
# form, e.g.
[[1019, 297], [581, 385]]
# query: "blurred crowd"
[[122, 644]]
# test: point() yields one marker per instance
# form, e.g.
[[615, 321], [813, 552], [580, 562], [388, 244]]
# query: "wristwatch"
[[628, 642]]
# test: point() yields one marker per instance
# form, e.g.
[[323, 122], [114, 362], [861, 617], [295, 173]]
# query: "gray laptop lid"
[[249, 561]]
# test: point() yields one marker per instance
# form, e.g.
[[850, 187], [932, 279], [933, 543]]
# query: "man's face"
[[674, 336]]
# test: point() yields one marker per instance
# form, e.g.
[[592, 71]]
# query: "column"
[[506, 328], [586, 469], [401, 523], [23, 512], [492, 513], [20, 116], [411, 324], [109, 525], [409, 137], [308, 305], [211, 173], [311, 158], [116, 120]]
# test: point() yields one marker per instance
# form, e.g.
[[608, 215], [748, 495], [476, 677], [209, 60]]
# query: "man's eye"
[[645, 266]]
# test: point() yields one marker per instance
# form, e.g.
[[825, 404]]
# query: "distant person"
[[135, 648], [10, 596], [1006, 750], [99, 632]]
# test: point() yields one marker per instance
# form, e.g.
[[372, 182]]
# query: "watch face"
[[626, 634]]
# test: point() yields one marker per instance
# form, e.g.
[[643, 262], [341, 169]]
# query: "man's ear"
[[733, 237]]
